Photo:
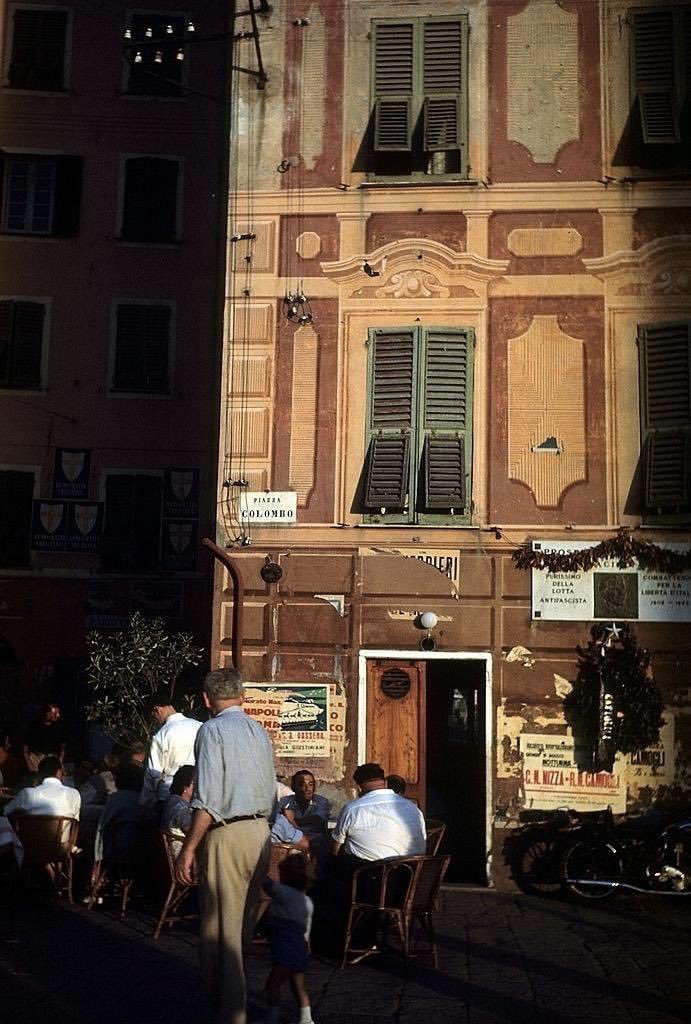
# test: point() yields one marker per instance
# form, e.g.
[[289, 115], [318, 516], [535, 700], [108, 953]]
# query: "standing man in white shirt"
[[171, 747]]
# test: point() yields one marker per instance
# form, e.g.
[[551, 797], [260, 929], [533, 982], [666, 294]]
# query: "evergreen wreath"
[[623, 547], [613, 660]]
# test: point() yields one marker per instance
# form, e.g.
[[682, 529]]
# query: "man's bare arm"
[[184, 865]]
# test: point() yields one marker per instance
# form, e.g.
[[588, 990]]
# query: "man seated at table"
[[304, 807], [177, 812], [283, 830], [379, 824], [50, 797]]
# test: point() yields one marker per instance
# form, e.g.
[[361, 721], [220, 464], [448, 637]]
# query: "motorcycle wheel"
[[537, 867], [589, 862]]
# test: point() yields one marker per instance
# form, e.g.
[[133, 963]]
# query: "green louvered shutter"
[[444, 50], [654, 73], [446, 420], [665, 362], [394, 84], [391, 419], [141, 348]]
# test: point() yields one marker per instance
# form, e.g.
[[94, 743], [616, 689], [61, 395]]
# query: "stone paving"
[[502, 958]]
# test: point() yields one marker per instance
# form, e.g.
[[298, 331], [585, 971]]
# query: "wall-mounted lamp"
[[427, 621]]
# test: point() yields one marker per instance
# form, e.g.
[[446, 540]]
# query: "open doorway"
[[456, 763], [425, 717]]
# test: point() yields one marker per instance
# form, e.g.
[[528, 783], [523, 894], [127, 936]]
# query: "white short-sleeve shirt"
[[379, 825]]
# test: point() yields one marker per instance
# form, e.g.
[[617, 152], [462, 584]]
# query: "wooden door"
[[396, 721]]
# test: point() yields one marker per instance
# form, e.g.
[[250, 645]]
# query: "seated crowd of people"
[[132, 794]]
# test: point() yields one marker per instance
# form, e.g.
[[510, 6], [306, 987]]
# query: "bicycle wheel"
[[590, 869]]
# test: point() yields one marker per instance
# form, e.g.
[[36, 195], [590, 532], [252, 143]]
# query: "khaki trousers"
[[232, 864]]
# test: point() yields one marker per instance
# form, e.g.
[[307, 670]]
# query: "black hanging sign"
[[49, 526], [181, 493], [71, 473], [179, 545], [84, 525], [604, 752]]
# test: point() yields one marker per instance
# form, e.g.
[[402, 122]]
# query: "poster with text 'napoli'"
[[295, 714], [608, 592], [552, 778]]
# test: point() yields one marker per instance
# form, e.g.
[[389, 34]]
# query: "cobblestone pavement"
[[502, 958]]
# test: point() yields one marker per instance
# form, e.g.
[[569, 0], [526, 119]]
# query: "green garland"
[[623, 548], [612, 658]]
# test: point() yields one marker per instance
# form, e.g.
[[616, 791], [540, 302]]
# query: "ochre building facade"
[[469, 230]]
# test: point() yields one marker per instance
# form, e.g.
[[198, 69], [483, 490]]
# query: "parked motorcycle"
[[639, 855]]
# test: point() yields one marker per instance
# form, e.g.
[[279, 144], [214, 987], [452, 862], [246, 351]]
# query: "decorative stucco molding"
[[657, 270], [544, 242]]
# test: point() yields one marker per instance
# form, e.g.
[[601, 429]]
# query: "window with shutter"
[[419, 97], [661, 72], [142, 348], [16, 498], [665, 372], [150, 200], [159, 73], [40, 195], [419, 442], [37, 59], [21, 343], [132, 527]]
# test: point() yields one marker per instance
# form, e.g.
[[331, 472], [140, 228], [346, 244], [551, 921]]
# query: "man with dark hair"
[[305, 808], [397, 783], [234, 793], [177, 813], [379, 824], [171, 747], [50, 797], [46, 735]]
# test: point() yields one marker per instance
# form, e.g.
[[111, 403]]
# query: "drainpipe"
[[231, 565]]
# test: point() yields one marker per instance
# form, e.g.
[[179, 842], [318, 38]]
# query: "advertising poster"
[[608, 592], [654, 765], [552, 779], [295, 714], [71, 473]]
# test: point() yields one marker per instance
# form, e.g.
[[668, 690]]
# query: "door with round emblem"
[[396, 721]]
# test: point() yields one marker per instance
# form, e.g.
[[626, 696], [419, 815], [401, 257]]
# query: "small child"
[[290, 916]]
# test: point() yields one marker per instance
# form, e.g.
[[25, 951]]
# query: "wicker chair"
[[48, 843], [177, 891], [405, 893], [436, 830]]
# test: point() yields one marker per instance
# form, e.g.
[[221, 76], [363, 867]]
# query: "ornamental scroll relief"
[[546, 383]]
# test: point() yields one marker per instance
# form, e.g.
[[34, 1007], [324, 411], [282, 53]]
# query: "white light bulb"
[[428, 620], [190, 26], [169, 30], [138, 57], [158, 57], [180, 55], [128, 33], [149, 33]]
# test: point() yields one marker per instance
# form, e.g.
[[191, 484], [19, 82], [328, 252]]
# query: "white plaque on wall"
[[268, 508]]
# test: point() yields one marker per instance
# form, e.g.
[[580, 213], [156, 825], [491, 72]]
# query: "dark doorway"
[[456, 763]]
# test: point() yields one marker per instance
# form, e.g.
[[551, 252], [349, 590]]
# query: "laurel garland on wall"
[[613, 661], [623, 548]]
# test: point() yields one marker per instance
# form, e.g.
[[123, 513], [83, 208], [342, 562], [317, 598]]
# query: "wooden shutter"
[[150, 200], [38, 50], [394, 83], [6, 313], [16, 498], [392, 415], [141, 348], [68, 196], [654, 75], [443, 70], [665, 360], [27, 344], [131, 534], [446, 419]]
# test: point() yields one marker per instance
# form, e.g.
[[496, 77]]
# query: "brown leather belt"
[[231, 821]]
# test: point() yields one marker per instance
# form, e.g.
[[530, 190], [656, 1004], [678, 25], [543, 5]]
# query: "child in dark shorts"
[[290, 917]]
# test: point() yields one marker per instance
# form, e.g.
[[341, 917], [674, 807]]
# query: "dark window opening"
[[38, 50], [16, 499], [150, 200], [21, 344], [142, 341], [132, 529]]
